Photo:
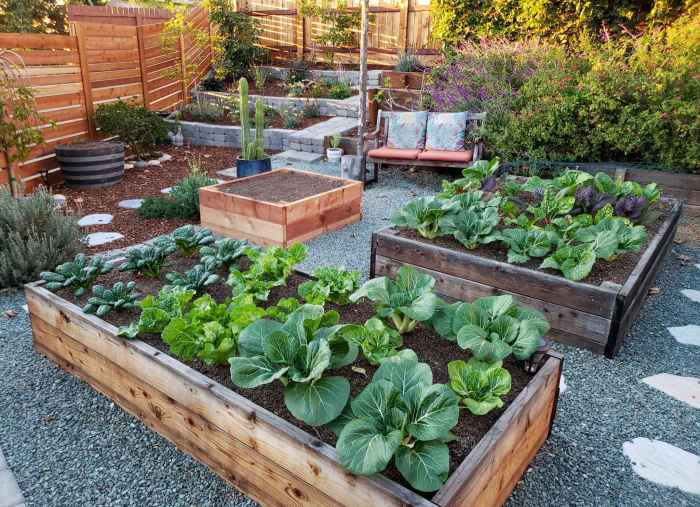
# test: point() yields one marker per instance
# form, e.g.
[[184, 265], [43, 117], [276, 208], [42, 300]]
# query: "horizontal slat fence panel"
[[112, 53]]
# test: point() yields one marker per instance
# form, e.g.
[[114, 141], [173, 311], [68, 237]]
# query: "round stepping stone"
[[685, 389], [692, 294], [687, 335], [166, 190], [664, 464], [130, 203], [101, 238], [154, 162], [165, 157], [95, 219]]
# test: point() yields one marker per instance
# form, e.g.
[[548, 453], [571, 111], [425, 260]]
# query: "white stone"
[[166, 190], [95, 219], [128, 165], [100, 238], [25, 308], [59, 200], [299, 156], [687, 335], [130, 203], [692, 294], [664, 464], [228, 173], [563, 387], [154, 162], [685, 389], [165, 157]]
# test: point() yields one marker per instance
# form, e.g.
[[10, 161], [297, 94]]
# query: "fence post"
[[403, 26], [77, 31], [183, 69], [300, 32], [142, 64]]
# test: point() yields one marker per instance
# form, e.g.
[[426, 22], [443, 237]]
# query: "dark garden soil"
[[276, 88], [616, 271], [282, 186], [276, 123], [429, 347]]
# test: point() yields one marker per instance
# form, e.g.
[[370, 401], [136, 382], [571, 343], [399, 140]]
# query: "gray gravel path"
[[69, 446]]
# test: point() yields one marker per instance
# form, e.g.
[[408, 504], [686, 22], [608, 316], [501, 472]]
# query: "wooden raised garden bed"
[[596, 317], [261, 454], [263, 208]]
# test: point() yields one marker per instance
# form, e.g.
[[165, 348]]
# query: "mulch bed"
[[281, 186], [276, 123], [140, 183], [274, 88], [429, 347]]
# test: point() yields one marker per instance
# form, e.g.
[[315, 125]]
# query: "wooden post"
[[403, 27], [363, 89], [77, 30], [183, 69], [142, 64], [300, 33]]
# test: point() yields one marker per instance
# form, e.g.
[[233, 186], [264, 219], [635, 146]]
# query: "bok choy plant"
[[423, 215], [376, 340], [480, 384]]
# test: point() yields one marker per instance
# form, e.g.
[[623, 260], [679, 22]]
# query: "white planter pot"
[[334, 154]]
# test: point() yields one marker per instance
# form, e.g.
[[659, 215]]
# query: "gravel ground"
[[69, 446]]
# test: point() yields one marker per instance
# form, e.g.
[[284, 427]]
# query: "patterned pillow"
[[407, 130], [446, 131]]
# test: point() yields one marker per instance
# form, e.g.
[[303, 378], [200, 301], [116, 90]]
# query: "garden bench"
[[382, 152]]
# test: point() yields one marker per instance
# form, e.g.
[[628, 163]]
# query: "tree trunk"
[[363, 88]]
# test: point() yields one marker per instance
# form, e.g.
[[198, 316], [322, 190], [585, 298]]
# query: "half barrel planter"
[[259, 453], [279, 223], [596, 317], [92, 164]]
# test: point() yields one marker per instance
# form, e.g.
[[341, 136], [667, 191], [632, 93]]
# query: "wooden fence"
[[394, 28], [99, 63]]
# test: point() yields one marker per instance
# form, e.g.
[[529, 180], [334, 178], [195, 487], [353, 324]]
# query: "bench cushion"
[[407, 130], [394, 153], [445, 131], [446, 156]]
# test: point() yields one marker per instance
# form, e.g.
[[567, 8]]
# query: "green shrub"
[[340, 90], [291, 118], [35, 237], [137, 127], [203, 111], [408, 62]]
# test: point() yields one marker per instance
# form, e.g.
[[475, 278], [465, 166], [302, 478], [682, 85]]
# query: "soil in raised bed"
[[616, 271], [276, 123], [275, 88], [282, 186], [430, 348]]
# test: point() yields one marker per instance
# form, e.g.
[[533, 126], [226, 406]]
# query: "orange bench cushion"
[[446, 156], [397, 153]]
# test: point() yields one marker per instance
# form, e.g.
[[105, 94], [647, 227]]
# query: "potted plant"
[[335, 152], [252, 159]]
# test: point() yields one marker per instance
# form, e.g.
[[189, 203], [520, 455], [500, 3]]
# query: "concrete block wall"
[[204, 134]]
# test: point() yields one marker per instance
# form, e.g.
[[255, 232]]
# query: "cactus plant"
[[251, 149]]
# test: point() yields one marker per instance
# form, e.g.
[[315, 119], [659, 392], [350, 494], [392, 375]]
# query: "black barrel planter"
[[252, 167], [92, 164]]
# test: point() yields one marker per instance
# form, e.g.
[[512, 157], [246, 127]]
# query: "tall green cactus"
[[251, 149]]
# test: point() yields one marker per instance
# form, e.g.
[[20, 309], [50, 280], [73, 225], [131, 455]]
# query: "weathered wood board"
[[279, 223], [256, 451], [590, 316]]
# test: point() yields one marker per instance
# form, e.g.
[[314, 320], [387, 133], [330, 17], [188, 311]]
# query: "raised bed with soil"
[[595, 313], [249, 438], [280, 207]]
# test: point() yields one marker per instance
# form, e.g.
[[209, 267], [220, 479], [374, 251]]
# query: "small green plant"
[[469, 226], [189, 239], [251, 148], [224, 253], [408, 62], [157, 311], [312, 109], [401, 414], [481, 174], [406, 301], [523, 244], [261, 76], [481, 385], [137, 127], [298, 72], [335, 141], [298, 353], [330, 284], [122, 296], [283, 309], [195, 279], [79, 274], [376, 340], [423, 215], [296, 89], [149, 260], [291, 118], [202, 111], [340, 90]]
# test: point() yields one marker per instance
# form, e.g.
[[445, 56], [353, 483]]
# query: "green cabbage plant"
[[523, 243], [480, 384], [471, 227], [423, 215], [407, 300], [376, 340], [401, 414], [297, 353]]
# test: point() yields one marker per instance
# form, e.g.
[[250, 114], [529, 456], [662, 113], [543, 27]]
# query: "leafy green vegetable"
[[551, 206], [575, 262], [283, 309], [423, 215], [122, 296], [269, 268], [471, 227], [474, 176], [188, 238], [376, 340], [223, 253], [195, 279], [157, 311], [297, 353], [331, 284], [400, 414], [406, 301], [79, 274], [523, 244], [149, 260], [492, 328], [480, 384]]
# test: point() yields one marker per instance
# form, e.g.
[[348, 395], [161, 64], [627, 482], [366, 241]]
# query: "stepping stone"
[[130, 203], [166, 190], [10, 494], [692, 294], [95, 219], [228, 173], [664, 464], [101, 238], [685, 389], [128, 165], [155, 162], [562, 386], [687, 335], [165, 157], [300, 156]]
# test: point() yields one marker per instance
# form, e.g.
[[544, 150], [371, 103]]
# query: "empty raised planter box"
[[280, 207]]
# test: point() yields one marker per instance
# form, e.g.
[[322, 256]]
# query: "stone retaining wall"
[[205, 134]]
